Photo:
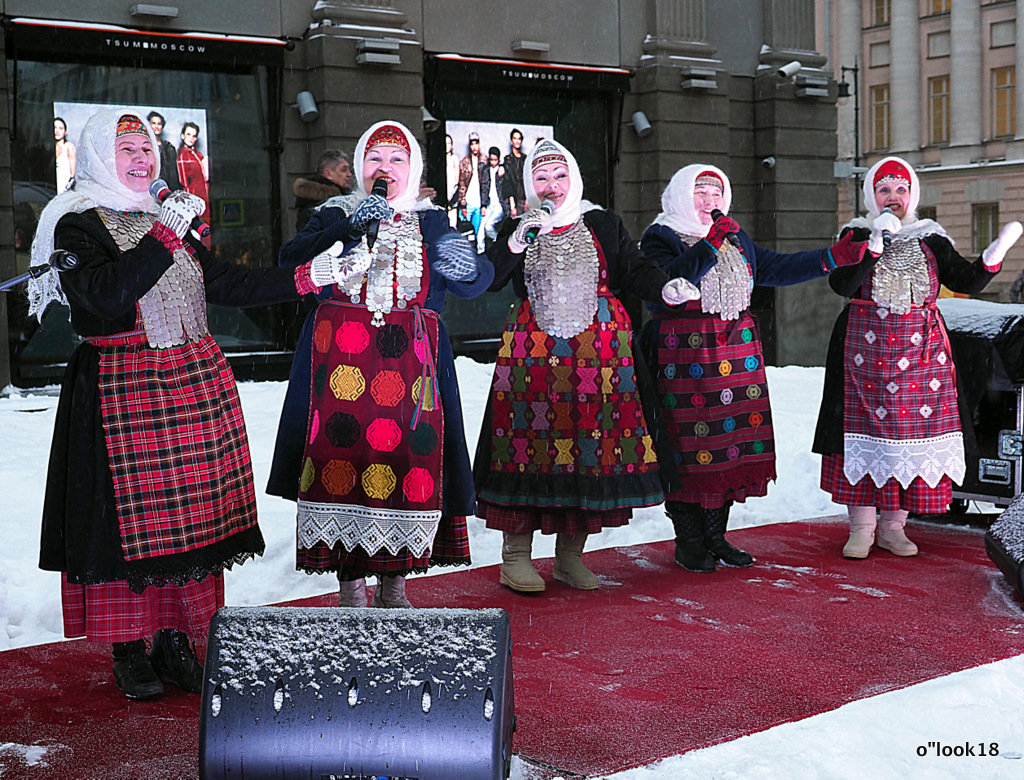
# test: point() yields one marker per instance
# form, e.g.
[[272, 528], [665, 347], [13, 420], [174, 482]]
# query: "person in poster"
[[193, 167]]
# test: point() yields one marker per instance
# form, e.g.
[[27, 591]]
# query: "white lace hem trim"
[[882, 459], [367, 527]]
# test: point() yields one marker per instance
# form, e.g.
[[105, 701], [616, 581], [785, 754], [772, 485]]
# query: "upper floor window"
[[984, 225], [880, 11], [938, 109], [1004, 101], [938, 6], [880, 129]]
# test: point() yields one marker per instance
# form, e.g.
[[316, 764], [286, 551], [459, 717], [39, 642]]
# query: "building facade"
[[935, 82], [635, 89]]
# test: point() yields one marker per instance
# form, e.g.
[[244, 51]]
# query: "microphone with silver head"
[[158, 189], [548, 207], [380, 188], [886, 235]]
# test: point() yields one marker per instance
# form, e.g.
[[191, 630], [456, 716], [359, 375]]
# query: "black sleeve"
[[504, 261], [958, 274], [628, 269], [233, 284], [846, 280], [325, 226], [661, 244], [106, 283]]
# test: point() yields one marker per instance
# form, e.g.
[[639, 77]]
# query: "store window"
[[217, 124]]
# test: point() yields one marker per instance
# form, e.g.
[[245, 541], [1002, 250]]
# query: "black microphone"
[[380, 187], [548, 207], [886, 235], [732, 238], [158, 189]]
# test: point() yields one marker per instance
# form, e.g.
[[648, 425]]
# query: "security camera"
[[430, 122], [790, 69], [306, 105], [768, 163]]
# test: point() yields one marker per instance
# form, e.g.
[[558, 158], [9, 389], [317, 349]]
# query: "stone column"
[[966, 79], [905, 79], [1019, 74]]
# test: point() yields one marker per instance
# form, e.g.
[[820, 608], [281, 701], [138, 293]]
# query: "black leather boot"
[[691, 552], [715, 521], [174, 660], [133, 672]]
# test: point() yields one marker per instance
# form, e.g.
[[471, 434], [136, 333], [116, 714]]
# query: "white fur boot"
[[862, 532], [891, 535]]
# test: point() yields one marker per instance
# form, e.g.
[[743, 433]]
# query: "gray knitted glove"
[[456, 259]]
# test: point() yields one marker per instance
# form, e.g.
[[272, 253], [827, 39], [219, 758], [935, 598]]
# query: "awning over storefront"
[[49, 39], [535, 75]]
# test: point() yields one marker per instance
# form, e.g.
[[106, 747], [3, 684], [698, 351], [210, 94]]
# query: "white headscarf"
[[96, 184], [912, 226], [573, 205], [677, 208], [410, 199]]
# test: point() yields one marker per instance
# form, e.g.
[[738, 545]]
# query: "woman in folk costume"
[[564, 446], [889, 429], [715, 439], [149, 492], [371, 442]]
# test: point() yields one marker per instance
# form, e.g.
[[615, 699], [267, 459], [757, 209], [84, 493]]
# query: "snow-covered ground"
[[879, 737]]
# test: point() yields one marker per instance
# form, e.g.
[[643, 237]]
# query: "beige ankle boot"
[[891, 535], [517, 570], [390, 592], [862, 532], [352, 593], [569, 566]]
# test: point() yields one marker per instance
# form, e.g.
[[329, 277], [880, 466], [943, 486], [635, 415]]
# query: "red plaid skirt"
[[176, 441], [450, 548], [917, 497], [112, 612], [524, 520]]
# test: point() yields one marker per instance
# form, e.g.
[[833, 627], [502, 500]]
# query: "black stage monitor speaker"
[[330, 693], [1004, 543]]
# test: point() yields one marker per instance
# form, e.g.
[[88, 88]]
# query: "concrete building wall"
[[706, 84]]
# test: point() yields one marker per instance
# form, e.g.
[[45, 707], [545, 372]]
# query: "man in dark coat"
[[333, 177]]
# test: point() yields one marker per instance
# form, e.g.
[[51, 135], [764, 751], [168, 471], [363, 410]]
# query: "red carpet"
[[657, 662]]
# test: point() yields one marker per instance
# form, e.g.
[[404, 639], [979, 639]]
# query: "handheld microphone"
[[62, 260], [886, 235], [380, 187], [732, 238], [548, 207], [158, 189]]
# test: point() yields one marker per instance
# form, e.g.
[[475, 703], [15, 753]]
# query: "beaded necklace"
[[395, 275]]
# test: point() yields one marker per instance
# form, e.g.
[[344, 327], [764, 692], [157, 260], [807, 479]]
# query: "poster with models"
[[181, 134]]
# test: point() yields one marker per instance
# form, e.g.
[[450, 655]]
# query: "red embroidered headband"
[[547, 153], [388, 134], [892, 170], [128, 124], [710, 177]]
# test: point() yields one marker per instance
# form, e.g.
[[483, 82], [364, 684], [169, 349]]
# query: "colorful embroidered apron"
[[567, 426], [714, 397], [371, 474]]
